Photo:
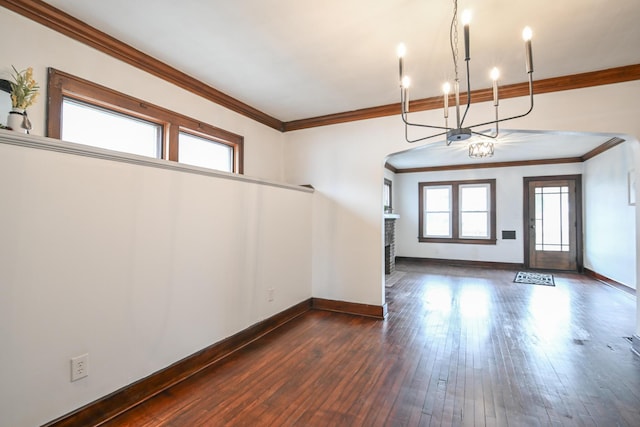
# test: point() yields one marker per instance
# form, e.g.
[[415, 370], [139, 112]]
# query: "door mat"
[[531, 278]]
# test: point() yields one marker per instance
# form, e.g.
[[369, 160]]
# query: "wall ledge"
[[8, 137]]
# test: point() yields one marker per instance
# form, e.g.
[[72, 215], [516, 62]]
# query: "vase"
[[18, 120]]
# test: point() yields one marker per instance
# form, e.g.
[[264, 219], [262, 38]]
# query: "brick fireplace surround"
[[389, 245]]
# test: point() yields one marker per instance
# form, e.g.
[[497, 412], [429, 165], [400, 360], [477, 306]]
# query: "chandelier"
[[461, 132]]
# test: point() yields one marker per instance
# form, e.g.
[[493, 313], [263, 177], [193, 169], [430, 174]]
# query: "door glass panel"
[[552, 219], [564, 200]]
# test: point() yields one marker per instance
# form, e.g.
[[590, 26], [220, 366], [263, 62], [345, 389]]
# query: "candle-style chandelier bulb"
[[466, 17], [528, 55], [495, 74], [401, 50]]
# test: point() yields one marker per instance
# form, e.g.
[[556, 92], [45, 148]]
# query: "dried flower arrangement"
[[24, 89]]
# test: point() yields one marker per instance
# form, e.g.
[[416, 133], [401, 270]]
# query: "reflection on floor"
[[461, 346]]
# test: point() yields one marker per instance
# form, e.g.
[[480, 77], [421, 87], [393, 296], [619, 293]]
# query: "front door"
[[552, 207]]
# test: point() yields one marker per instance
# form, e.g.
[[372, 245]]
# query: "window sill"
[[459, 241]]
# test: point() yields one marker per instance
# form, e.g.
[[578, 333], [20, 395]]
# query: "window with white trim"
[[457, 211]]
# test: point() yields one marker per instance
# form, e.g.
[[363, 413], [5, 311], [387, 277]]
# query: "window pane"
[[474, 211], [90, 125], [197, 151], [474, 224], [474, 198], [387, 194], [437, 214], [437, 224], [438, 199]]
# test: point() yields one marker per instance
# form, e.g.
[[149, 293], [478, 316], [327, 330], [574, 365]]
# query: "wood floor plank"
[[461, 346]]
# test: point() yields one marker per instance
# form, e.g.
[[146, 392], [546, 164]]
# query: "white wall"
[[509, 213], [610, 227], [345, 164], [135, 265], [41, 48]]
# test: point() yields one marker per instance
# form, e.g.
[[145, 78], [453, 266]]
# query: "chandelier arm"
[[404, 116], [408, 123], [497, 130], [513, 117], [411, 141]]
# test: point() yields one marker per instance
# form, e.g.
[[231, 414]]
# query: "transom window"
[[206, 152], [99, 127], [83, 112], [457, 212]]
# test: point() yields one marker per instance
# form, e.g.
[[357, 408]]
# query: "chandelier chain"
[[453, 38]]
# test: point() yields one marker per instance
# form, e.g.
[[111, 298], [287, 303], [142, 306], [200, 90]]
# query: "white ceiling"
[[510, 146], [296, 59]]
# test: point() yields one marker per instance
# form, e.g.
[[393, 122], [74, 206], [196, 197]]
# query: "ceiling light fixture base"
[[461, 134]]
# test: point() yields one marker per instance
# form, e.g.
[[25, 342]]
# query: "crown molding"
[[554, 84], [491, 165], [602, 148], [607, 145], [59, 21]]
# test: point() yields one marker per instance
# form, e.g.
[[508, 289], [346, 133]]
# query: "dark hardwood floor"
[[460, 347]]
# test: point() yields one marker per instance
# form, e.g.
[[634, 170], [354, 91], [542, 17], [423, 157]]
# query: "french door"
[[552, 222]]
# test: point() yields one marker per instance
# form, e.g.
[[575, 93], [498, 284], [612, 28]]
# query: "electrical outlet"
[[79, 367], [271, 294]]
